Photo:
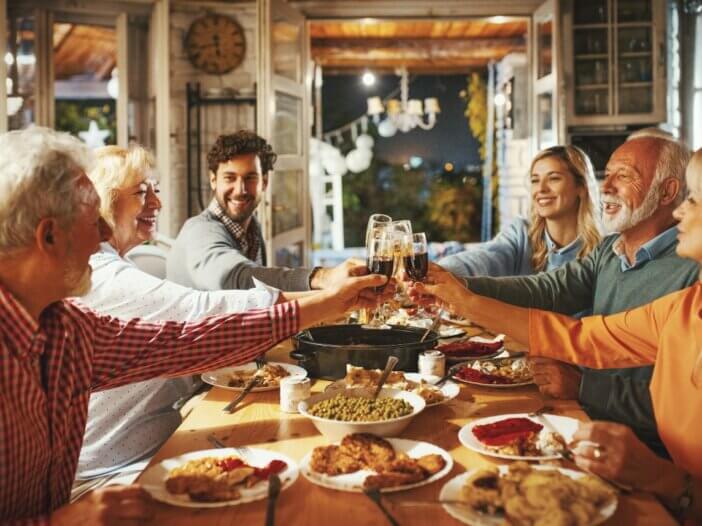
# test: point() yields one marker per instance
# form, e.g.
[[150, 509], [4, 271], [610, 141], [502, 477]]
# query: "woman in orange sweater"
[[667, 332]]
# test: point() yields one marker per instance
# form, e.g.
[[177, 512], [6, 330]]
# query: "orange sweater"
[[667, 332]]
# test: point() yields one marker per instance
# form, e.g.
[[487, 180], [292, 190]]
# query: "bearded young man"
[[644, 183], [54, 353], [223, 247]]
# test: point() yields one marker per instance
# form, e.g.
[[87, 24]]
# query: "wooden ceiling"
[[86, 51], [423, 46]]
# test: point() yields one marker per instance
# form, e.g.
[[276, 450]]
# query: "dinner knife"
[[273, 492], [229, 408]]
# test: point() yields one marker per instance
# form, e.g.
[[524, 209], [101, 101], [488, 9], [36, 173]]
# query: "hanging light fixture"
[[404, 114]]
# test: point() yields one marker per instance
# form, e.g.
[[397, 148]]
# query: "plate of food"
[[454, 319], [214, 478], [363, 461], [521, 493], [472, 348], [519, 436], [501, 373], [235, 378], [358, 377]]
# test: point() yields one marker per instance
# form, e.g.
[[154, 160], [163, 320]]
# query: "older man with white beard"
[[643, 185]]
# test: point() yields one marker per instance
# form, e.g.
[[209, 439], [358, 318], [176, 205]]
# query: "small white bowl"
[[335, 430]]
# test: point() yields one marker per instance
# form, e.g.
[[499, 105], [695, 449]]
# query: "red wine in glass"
[[381, 265], [417, 266]]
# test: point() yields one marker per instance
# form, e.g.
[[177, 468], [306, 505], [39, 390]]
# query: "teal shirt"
[[600, 282]]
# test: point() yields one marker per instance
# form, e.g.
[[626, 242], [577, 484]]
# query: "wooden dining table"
[[258, 422]]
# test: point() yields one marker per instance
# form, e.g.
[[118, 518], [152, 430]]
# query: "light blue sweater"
[[508, 254]]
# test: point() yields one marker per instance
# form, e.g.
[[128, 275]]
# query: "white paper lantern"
[[335, 165], [366, 155], [364, 142], [357, 161], [386, 128]]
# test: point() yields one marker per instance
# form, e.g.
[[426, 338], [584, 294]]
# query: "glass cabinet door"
[[591, 57], [634, 58]]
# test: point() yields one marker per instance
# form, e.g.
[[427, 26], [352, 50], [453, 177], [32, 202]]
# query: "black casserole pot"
[[325, 351]]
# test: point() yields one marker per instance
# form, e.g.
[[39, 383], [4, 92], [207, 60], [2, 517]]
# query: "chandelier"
[[404, 114]]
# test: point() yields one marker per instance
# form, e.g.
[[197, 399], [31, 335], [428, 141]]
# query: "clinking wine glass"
[[417, 261], [377, 225], [380, 260]]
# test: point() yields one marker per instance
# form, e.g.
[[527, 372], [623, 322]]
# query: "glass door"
[[634, 56], [546, 66], [591, 37], [283, 117]]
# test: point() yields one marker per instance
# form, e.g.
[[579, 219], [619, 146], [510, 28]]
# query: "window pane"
[[21, 71], [545, 34], [287, 200], [545, 116], [290, 256], [85, 87], [287, 125], [286, 49]]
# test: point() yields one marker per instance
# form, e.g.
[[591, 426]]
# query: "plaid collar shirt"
[[249, 240], [48, 370]]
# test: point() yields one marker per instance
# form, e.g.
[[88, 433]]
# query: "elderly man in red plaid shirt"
[[54, 353]]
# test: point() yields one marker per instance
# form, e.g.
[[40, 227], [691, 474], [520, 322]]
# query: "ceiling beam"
[[414, 8], [424, 55]]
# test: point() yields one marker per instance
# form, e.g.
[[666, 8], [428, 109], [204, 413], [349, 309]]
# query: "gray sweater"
[[206, 256], [598, 282]]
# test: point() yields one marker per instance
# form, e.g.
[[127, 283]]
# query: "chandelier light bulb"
[[404, 114], [368, 79]]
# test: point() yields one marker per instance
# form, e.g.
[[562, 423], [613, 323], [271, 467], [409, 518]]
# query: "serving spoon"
[[389, 366]]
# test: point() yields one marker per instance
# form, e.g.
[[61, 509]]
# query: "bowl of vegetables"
[[339, 413]]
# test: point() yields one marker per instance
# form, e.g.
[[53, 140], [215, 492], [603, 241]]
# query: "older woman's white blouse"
[[129, 423]]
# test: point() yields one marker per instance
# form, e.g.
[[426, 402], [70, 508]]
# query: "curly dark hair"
[[241, 142]]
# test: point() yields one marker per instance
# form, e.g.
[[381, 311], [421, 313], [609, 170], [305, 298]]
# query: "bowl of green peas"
[[339, 413]]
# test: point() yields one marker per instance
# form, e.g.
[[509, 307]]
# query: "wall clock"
[[215, 44]]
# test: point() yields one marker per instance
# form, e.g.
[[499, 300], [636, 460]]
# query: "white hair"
[[38, 171], [672, 160]]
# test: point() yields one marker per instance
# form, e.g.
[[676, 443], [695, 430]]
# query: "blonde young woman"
[[666, 333], [564, 225], [129, 423]]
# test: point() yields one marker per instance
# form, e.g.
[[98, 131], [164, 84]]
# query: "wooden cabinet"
[[614, 68]]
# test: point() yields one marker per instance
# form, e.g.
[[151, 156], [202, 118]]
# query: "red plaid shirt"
[[48, 370]]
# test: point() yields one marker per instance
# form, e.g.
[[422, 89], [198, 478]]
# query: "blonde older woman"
[[666, 333], [128, 423]]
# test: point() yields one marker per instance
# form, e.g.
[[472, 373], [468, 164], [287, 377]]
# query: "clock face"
[[215, 44]]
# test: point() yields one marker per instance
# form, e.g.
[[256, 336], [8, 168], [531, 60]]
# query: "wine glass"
[[417, 261], [377, 224], [401, 229], [380, 260]]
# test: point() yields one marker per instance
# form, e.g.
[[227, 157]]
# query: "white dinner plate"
[[449, 389], [455, 321], [467, 515], [220, 377], [154, 479], [485, 384], [564, 425], [447, 331], [353, 482]]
